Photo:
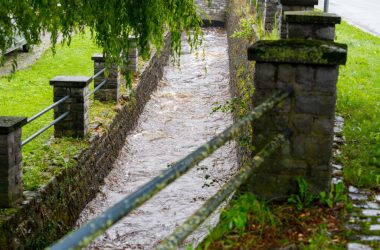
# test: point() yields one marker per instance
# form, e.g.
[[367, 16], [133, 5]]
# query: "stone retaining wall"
[[49, 214], [241, 70], [216, 11]]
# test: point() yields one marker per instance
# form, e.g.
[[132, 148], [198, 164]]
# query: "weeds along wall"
[[241, 70], [52, 212]]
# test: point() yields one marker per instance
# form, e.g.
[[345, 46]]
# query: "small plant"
[[247, 30], [243, 209], [336, 195], [304, 198], [229, 106], [321, 240]]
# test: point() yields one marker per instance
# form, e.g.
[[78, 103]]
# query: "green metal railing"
[[84, 235]]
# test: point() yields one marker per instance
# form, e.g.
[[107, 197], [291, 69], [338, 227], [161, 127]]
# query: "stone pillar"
[[11, 187], [294, 5], [272, 14], [310, 67], [311, 25], [77, 122], [111, 90], [131, 60]]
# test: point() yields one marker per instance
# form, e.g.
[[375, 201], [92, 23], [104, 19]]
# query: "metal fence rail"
[[63, 116], [193, 222], [97, 88], [83, 236], [98, 74], [39, 114], [60, 118]]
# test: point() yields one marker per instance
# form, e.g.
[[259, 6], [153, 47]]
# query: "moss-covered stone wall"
[[241, 70]]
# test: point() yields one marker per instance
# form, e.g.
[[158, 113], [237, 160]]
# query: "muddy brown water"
[[176, 121]]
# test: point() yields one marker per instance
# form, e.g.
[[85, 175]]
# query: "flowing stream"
[[176, 121]]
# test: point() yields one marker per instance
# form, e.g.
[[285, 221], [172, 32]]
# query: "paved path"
[[362, 13], [24, 60], [175, 122]]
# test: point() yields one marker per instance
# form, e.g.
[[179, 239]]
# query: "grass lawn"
[[359, 103], [29, 91]]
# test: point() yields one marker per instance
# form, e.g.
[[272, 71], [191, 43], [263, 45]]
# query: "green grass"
[[29, 91], [359, 103]]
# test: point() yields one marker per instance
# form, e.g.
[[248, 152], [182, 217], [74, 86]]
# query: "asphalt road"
[[364, 14]]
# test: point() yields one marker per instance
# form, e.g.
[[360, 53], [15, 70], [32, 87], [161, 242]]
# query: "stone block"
[[286, 75], [298, 146], [265, 74], [326, 79], [299, 2], [304, 78], [302, 123], [315, 105], [319, 148], [321, 170], [325, 33], [71, 81], [271, 186], [296, 8], [280, 122], [9, 124], [323, 126], [296, 51], [259, 96], [302, 31], [311, 17]]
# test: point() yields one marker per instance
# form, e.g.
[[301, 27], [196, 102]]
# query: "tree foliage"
[[111, 22]]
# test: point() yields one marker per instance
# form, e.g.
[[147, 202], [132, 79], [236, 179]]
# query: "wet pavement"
[[176, 121], [364, 220], [24, 60], [361, 13]]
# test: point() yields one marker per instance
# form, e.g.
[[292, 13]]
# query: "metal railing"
[[84, 235], [97, 88], [326, 6], [61, 117]]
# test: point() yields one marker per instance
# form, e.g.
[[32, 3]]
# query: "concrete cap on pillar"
[[299, 51], [98, 57], [71, 81], [9, 124], [311, 17], [299, 2]]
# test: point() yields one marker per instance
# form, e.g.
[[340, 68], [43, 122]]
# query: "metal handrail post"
[[326, 8]]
